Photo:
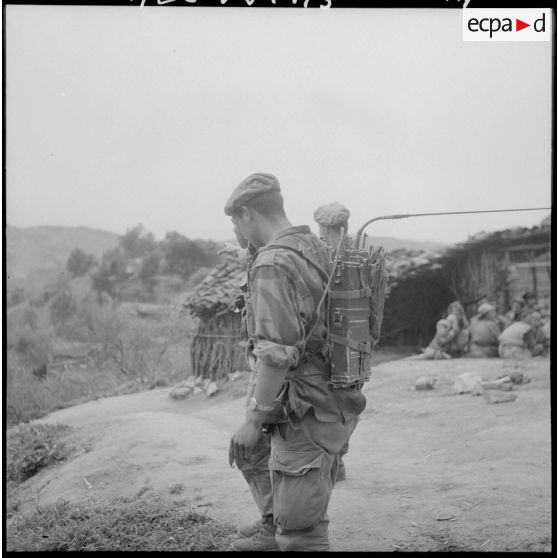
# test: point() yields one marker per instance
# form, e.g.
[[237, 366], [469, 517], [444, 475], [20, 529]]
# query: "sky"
[[120, 115]]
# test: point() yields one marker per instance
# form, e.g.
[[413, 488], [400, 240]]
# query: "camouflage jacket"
[[284, 289]]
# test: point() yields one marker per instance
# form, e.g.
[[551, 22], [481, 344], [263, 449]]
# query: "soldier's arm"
[[279, 330], [269, 383]]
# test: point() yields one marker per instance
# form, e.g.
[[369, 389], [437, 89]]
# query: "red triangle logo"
[[519, 25]]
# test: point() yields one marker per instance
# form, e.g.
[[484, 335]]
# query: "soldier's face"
[[240, 238]]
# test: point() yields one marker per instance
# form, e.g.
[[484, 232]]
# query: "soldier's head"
[[456, 308], [530, 299], [256, 209], [333, 220], [486, 311]]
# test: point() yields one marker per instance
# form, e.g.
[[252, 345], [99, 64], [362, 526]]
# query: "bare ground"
[[426, 470]]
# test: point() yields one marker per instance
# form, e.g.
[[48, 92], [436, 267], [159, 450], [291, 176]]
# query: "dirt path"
[[426, 470]]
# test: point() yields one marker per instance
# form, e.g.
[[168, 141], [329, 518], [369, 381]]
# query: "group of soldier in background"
[[522, 332]]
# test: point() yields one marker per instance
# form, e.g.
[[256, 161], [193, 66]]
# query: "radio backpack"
[[354, 297]]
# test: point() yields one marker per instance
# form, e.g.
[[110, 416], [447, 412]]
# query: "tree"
[[111, 272], [62, 308], [137, 242], [184, 256], [150, 268], [79, 263]]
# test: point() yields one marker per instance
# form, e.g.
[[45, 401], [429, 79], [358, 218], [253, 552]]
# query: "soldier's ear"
[[244, 213]]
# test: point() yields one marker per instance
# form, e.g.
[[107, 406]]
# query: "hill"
[[35, 255]]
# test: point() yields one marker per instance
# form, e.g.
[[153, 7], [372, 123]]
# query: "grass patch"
[[30, 448], [122, 525]]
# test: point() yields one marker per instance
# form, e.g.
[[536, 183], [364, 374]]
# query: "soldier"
[[438, 347], [459, 329], [484, 332], [514, 314], [521, 340], [308, 423], [530, 305], [331, 218]]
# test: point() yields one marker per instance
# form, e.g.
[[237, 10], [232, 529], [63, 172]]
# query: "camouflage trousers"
[[291, 474]]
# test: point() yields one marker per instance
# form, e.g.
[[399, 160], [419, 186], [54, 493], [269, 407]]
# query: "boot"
[[263, 539], [250, 529]]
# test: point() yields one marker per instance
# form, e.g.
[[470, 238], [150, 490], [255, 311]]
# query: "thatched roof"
[[404, 264], [216, 294]]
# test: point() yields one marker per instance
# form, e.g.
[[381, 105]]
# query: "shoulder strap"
[[292, 244]]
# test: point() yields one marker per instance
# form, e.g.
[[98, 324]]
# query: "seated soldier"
[[514, 314], [459, 329], [520, 340], [437, 349], [530, 305], [484, 332]]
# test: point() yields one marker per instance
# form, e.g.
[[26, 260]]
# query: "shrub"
[[33, 346], [79, 263], [111, 272], [28, 398], [63, 307], [149, 269], [30, 448]]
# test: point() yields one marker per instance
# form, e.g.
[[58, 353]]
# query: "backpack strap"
[[298, 247], [355, 345]]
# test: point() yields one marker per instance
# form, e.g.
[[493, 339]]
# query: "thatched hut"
[[495, 267], [421, 284], [216, 348]]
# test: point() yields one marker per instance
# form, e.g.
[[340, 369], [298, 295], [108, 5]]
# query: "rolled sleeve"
[[274, 354]]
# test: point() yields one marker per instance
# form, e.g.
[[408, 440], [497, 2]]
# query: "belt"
[[309, 369]]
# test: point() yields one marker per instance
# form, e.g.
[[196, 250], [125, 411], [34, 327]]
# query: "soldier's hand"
[[242, 442]]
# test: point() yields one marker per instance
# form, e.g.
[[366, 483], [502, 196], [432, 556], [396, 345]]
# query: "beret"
[[256, 184], [485, 308], [331, 215]]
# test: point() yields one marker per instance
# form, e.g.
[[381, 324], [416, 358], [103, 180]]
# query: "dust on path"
[[426, 470]]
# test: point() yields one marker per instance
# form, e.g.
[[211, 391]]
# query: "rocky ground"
[[427, 470]]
